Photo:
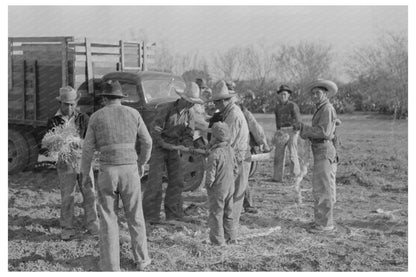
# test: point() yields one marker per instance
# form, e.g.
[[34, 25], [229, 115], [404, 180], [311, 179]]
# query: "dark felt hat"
[[284, 88], [112, 88]]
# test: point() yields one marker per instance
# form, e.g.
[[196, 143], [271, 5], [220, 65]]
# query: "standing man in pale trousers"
[[113, 130], [321, 134], [287, 113]]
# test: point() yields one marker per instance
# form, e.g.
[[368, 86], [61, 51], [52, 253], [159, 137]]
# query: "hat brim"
[[113, 95], [190, 99], [67, 102], [282, 90], [221, 97], [329, 85]]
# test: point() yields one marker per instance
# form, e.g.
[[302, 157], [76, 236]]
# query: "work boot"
[[67, 234], [143, 264], [251, 210]]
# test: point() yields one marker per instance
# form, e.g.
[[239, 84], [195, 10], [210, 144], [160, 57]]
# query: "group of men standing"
[[114, 130]]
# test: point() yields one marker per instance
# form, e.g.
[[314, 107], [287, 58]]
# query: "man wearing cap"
[[321, 135], [173, 128], [221, 170], [287, 113], [113, 130], [239, 141], [68, 175]]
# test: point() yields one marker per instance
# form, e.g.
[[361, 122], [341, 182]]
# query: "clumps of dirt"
[[355, 176]]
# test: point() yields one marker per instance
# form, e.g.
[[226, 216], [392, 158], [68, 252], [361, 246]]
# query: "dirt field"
[[371, 183]]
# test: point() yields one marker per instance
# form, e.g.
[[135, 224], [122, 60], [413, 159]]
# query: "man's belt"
[[117, 146], [318, 140]]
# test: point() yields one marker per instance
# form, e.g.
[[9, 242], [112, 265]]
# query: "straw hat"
[[330, 86], [221, 92], [112, 88], [67, 95], [191, 93]]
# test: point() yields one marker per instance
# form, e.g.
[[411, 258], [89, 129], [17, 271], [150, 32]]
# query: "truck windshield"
[[156, 89]]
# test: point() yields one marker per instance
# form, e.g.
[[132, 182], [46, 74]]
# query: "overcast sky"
[[207, 28]]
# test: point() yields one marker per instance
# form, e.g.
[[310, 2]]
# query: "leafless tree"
[[382, 69], [229, 64]]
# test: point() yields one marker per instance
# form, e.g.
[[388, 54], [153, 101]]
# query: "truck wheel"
[[33, 151], [18, 151], [193, 171]]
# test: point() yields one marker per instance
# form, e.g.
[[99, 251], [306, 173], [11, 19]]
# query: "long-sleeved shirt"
[[173, 126], [322, 130], [221, 167], [240, 135], [114, 131], [286, 114], [80, 121], [323, 123]]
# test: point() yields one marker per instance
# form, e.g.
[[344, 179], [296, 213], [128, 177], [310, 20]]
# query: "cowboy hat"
[[191, 93], [221, 92], [112, 88], [330, 86], [67, 95], [284, 88]]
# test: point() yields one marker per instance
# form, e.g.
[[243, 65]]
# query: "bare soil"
[[371, 215]]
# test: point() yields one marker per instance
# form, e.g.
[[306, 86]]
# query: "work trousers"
[[68, 179], [220, 218], [248, 196], [280, 154], [323, 183], [152, 197], [122, 181], [241, 183]]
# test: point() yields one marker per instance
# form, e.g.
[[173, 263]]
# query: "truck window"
[[131, 91], [154, 89]]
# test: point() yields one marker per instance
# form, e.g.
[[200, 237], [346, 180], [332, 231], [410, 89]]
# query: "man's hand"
[[297, 126], [181, 148]]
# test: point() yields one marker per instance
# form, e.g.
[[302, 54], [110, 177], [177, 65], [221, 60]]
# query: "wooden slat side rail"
[[24, 89], [90, 76], [121, 55], [39, 39], [10, 65], [64, 62]]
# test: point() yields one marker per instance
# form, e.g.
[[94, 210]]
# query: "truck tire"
[[18, 151], [33, 150], [193, 171]]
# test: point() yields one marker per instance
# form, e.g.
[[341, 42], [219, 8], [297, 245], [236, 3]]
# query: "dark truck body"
[[39, 66]]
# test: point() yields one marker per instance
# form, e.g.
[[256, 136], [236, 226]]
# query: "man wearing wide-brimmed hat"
[[231, 114], [173, 127], [286, 113], [113, 131], [321, 135], [68, 174]]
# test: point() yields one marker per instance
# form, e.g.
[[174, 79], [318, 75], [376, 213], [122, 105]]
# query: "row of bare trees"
[[377, 75]]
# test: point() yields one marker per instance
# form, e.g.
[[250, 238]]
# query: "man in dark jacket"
[[68, 175], [173, 128], [287, 113]]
